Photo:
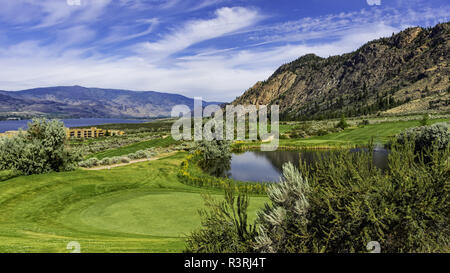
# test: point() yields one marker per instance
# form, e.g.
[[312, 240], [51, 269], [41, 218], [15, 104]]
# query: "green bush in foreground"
[[225, 228], [41, 149]]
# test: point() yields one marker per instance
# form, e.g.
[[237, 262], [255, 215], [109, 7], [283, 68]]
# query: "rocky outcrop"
[[381, 75]]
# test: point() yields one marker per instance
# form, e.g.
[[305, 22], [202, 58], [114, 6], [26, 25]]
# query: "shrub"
[[435, 136], [322, 132], [124, 159], [115, 160], [40, 149], [425, 120], [105, 161], [225, 227], [214, 149], [142, 154], [282, 220], [342, 123], [132, 156], [364, 122], [89, 163]]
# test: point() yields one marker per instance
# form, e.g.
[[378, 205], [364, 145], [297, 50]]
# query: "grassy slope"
[[136, 208], [159, 142]]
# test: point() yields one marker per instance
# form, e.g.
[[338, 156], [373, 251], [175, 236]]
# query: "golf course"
[[140, 206], [136, 208]]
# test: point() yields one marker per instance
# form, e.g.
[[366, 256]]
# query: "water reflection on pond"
[[267, 166]]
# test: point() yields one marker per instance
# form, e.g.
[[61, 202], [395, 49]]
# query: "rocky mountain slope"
[[408, 72], [78, 101]]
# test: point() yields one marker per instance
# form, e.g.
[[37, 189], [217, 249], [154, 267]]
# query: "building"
[[92, 132], [9, 133]]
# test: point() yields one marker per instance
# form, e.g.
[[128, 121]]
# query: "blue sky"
[[215, 49]]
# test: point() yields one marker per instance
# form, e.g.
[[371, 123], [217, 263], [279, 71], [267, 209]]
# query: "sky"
[[214, 49]]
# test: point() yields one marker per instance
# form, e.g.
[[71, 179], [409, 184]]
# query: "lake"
[[267, 166], [13, 125]]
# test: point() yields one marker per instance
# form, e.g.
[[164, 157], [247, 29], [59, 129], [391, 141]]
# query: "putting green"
[[162, 214]]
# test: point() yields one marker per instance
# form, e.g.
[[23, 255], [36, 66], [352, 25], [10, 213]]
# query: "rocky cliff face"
[[404, 73]]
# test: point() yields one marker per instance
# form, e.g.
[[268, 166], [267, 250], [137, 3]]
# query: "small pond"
[[267, 166]]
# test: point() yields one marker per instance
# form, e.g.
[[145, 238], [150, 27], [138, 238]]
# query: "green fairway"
[[159, 142], [135, 208]]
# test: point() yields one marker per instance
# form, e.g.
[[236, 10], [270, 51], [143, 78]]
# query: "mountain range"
[[82, 102], [405, 73]]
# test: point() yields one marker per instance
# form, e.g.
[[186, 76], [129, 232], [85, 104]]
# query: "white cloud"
[[124, 32], [226, 21]]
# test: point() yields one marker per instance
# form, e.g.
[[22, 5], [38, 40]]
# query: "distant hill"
[[408, 72], [82, 102]]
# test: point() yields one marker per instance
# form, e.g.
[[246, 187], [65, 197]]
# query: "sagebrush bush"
[[89, 163], [142, 154], [210, 150], [124, 159], [286, 216], [115, 160], [105, 161], [41, 149], [434, 136]]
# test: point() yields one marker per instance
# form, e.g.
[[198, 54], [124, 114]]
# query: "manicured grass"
[[159, 142], [136, 208]]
